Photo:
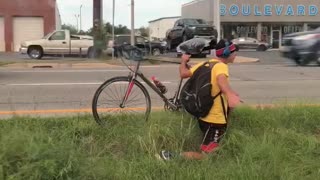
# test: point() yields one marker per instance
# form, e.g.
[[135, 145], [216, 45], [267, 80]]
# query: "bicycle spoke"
[[107, 101]]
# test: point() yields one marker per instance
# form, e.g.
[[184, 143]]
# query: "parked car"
[[185, 29], [302, 47], [59, 42], [250, 43], [154, 48]]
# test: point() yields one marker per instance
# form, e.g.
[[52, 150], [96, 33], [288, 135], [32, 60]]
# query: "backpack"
[[196, 95]]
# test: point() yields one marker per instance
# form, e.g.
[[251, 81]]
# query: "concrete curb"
[[159, 108], [92, 65]]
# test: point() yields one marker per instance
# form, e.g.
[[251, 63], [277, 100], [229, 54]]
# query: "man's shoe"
[[166, 155]]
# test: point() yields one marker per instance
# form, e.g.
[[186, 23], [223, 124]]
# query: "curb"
[[92, 65], [160, 108]]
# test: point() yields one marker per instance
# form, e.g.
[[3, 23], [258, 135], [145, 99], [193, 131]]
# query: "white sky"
[[145, 10]]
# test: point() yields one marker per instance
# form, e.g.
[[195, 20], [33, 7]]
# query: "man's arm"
[[183, 69], [233, 97]]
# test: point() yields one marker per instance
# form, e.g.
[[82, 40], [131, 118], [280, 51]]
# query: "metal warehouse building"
[[159, 27], [22, 20], [265, 20]]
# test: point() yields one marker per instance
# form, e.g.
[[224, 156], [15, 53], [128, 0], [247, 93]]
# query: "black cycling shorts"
[[212, 133]]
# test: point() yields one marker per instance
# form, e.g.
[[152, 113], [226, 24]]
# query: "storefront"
[[265, 20]]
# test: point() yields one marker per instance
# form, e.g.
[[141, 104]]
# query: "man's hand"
[[185, 58], [233, 100], [184, 67], [232, 96]]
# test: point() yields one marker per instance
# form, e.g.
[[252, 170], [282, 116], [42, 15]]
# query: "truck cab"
[[59, 42]]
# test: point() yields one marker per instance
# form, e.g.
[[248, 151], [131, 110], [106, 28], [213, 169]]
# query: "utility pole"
[[113, 12], [80, 19], [216, 17], [132, 23], [77, 22], [99, 40]]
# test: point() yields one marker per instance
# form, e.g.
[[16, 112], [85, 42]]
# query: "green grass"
[[4, 63], [281, 143]]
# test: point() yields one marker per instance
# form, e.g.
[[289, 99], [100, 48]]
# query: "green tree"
[[71, 28], [144, 31]]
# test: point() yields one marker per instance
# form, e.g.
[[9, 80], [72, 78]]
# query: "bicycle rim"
[[106, 105]]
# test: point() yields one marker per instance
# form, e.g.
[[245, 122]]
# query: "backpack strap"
[[223, 107]]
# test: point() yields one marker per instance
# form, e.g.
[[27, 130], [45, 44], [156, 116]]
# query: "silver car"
[[250, 43]]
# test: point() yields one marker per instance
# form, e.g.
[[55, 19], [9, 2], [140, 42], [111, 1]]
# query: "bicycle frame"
[[137, 73]]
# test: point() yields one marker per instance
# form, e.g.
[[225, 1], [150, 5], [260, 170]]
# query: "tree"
[[144, 31], [71, 28]]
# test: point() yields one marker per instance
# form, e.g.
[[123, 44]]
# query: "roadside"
[[74, 62]]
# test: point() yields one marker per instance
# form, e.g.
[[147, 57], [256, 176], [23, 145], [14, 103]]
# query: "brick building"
[[22, 20]]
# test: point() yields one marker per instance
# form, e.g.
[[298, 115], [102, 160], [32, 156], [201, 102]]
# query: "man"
[[214, 125]]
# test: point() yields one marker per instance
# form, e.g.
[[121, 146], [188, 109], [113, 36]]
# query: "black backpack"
[[196, 95]]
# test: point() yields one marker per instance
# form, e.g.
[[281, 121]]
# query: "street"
[[273, 80]]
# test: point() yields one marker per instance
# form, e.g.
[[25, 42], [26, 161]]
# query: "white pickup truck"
[[59, 42]]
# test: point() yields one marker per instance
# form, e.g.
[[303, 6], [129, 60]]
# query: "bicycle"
[[123, 96]]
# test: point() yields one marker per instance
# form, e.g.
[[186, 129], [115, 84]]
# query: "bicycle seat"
[[131, 52]]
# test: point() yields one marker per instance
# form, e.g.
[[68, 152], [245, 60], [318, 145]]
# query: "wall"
[[270, 11], [260, 10], [159, 27], [26, 8]]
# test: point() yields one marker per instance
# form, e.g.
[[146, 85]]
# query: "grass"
[[4, 63], [279, 143]]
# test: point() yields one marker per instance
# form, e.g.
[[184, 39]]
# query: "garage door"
[[26, 28], [2, 42]]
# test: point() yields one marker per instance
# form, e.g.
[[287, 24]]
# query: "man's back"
[[216, 114]]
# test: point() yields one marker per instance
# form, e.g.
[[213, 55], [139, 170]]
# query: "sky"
[[145, 11]]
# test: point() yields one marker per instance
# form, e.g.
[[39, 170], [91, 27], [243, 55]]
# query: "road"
[[266, 82]]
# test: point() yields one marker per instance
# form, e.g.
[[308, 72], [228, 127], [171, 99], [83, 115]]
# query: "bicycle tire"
[[120, 80]]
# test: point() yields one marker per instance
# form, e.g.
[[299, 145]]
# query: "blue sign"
[[268, 10]]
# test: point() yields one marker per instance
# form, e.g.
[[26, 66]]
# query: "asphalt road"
[[272, 80]]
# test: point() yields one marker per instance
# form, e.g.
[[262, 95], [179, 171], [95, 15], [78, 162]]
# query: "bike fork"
[[177, 94], [128, 91]]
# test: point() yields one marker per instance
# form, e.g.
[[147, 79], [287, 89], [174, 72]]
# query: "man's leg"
[[212, 134]]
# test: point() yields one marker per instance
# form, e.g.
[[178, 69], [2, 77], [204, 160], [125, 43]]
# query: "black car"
[[302, 47], [185, 29], [153, 48]]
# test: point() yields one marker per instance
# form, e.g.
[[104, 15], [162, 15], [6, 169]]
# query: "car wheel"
[[318, 60], [202, 55], [261, 48], [237, 47], [35, 52], [169, 46], [156, 52], [184, 38], [93, 53], [301, 61]]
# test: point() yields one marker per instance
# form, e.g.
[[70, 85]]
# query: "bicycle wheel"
[[106, 104]]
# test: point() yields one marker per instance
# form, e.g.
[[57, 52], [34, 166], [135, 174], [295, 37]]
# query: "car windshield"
[[194, 21]]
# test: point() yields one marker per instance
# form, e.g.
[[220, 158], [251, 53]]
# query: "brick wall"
[[26, 8]]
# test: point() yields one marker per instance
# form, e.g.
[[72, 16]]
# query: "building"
[[159, 27], [265, 20], [22, 20]]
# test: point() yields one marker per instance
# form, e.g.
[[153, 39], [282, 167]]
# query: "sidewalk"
[[107, 63]]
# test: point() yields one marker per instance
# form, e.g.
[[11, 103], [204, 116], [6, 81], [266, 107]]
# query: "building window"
[[232, 31], [288, 29], [313, 26]]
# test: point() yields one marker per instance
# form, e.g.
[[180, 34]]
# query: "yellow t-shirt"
[[216, 114]]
